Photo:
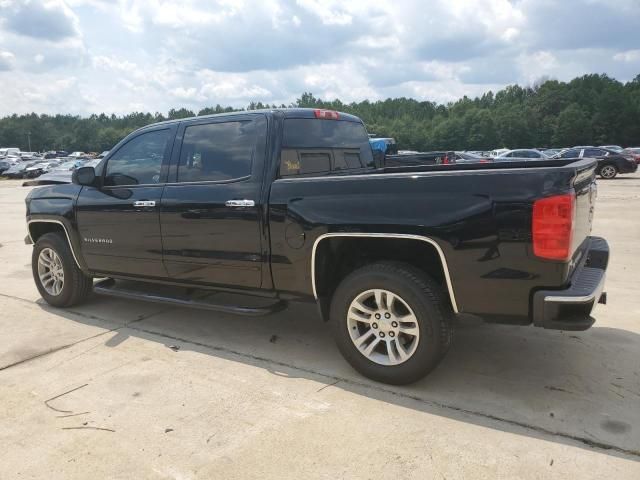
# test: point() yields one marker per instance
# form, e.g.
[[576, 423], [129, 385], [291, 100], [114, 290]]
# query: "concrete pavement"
[[174, 393]]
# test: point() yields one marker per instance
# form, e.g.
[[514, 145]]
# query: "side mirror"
[[84, 176]]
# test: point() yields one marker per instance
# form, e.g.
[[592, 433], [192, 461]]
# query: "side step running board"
[[202, 299]]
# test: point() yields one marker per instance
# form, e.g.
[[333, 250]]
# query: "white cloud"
[[161, 54], [629, 56], [7, 60]]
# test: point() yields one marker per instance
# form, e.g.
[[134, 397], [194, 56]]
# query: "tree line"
[[588, 110]]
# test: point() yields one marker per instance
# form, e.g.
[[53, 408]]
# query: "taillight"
[[327, 114], [552, 226]]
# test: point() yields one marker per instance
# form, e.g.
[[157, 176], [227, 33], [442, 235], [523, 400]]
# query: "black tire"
[[77, 286], [422, 294], [610, 171]]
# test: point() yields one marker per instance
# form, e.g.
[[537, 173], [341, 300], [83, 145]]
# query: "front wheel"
[[391, 322], [608, 172], [58, 279]]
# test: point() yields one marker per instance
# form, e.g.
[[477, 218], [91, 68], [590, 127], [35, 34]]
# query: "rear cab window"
[[314, 146]]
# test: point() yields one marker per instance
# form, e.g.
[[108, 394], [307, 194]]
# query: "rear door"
[[119, 221], [212, 213]]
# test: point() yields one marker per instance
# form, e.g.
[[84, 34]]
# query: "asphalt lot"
[[158, 392]]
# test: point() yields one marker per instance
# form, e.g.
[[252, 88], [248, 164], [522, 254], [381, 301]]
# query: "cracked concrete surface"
[[272, 398]]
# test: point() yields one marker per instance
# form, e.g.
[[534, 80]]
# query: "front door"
[[211, 215], [119, 221]]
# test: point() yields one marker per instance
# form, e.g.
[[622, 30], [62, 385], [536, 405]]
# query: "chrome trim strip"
[[430, 173], [593, 296], [43, 220], [428, 240]]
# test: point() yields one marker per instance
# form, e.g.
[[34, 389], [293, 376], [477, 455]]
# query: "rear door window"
[[313, 146], [594, 152], [217, 151]]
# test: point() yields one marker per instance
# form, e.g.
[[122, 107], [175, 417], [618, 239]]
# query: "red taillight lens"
[[552, 226], [327, 114]]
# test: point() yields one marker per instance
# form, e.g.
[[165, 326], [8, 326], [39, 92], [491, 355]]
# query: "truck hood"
[[51, 178]]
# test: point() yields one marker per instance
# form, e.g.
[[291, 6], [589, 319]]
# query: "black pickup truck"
[[245, 212]]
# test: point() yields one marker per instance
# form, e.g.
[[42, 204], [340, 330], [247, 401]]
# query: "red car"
[[634, 152]]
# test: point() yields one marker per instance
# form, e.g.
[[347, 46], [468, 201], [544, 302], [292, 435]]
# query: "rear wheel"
[[58, 279], [391, 322], [608, 172]]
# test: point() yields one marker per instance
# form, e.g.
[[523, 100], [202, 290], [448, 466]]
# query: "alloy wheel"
[[608, 171], [50, 271], [383, 327]]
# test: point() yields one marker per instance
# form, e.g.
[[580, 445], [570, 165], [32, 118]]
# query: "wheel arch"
[[325, 275], [41, 226]]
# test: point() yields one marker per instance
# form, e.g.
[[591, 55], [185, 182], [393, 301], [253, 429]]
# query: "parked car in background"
[[5, 152], [550, 152], [434, 158], [634, 152], [614, 148], [55, 154], [5, 165], [610, 163], [497, 152], [18, 170], [77, 155], [39, 168], [467, 157], [522, 154], [61, 173]]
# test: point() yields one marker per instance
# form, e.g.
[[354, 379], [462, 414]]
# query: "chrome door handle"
[[144, 203], [240, 203]]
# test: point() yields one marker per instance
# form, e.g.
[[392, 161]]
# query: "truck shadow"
[[575, 388]]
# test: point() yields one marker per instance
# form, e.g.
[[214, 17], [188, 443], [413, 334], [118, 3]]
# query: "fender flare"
[[76, 258], [421, 238]]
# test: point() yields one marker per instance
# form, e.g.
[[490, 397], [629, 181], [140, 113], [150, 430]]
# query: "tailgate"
[[585, 188]]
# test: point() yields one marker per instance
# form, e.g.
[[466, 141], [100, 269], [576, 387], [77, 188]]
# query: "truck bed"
[[479, 216]]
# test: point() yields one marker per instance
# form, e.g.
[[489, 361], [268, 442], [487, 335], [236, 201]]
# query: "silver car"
[[521, 154]]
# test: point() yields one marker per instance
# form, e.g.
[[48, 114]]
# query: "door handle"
[[240, 203], [144, 203]]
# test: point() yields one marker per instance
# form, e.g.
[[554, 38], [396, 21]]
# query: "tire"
[[608, 171], [395, 359], [75, 286]]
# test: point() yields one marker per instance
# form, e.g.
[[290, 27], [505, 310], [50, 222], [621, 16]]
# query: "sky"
[[119, 56]]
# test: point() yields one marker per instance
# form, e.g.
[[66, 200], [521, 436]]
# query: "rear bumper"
[[570, 309]]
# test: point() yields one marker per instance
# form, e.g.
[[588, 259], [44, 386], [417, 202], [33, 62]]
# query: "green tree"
[[573, 127]]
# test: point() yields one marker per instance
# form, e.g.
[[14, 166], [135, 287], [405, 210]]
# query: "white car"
[[5, 152], [497, 152]]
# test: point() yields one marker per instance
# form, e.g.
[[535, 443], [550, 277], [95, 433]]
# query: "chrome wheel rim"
[[383, 327], [50, 271], [608, 171]]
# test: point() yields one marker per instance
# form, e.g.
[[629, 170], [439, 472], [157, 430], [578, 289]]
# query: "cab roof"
[[285, 112]]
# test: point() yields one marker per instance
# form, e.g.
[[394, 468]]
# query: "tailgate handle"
[[144, 203], [240, 203]]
